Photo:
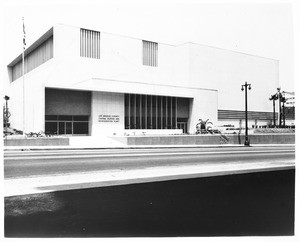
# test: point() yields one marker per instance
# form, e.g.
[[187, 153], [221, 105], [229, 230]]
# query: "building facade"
[[86, 82]]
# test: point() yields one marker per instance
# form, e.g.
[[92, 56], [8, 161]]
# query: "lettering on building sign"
[[107, 118]]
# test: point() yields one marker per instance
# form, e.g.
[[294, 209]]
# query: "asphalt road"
[[54, 162], [252, 204]]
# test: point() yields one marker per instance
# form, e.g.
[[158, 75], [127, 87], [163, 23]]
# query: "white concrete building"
[[81, 81]]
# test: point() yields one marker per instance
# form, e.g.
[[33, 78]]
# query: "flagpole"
[[23, 76]]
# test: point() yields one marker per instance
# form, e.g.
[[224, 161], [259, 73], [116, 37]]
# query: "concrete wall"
[[107, 113], [204, 106], [34, 100], [121, 59], [227, 70], [272, 139], [37, 142], [173, 140], [262, 139], [167, 140], [211, 139]]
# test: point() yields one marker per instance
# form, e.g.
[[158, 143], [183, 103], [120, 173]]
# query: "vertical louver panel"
[[40, 55], [89, 43], [150, 112], [150, 53]]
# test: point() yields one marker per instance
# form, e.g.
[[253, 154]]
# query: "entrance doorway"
[[67, 124], [183, 126]]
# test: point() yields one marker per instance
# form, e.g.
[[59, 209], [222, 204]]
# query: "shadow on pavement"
[[254, 204]]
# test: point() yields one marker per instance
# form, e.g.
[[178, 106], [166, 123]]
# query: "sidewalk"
[[105, 142], [8, 148], [42, 184]]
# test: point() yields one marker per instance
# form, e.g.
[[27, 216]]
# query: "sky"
[[263, 28]]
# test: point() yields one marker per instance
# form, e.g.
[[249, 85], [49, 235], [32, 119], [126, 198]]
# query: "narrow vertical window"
[[89, 43], [150, 53]]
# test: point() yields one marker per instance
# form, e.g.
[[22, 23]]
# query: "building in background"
[[289, 109], [86, 82]]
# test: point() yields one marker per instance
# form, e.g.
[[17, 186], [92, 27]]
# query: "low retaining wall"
[[37, 142], [167, 140], [211, 139], [264, 139], [272, 139], [174, 140]]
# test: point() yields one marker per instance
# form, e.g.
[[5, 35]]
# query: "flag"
[[24, 35]]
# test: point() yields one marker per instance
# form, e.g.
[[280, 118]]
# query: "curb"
[[22, 148]]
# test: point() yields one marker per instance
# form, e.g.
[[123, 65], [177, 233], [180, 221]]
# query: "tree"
[[6, 116], [202, 127], [274, 98]]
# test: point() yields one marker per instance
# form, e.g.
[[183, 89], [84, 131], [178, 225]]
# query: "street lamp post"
[[283, 100], [247, 86], [280, 112], [6, 99], [6, 114]]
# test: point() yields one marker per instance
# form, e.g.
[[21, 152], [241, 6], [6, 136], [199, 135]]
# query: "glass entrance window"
[[69, 127], [61, 128], [81, 128], [67, 124], [51, 127], [183, 126]]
